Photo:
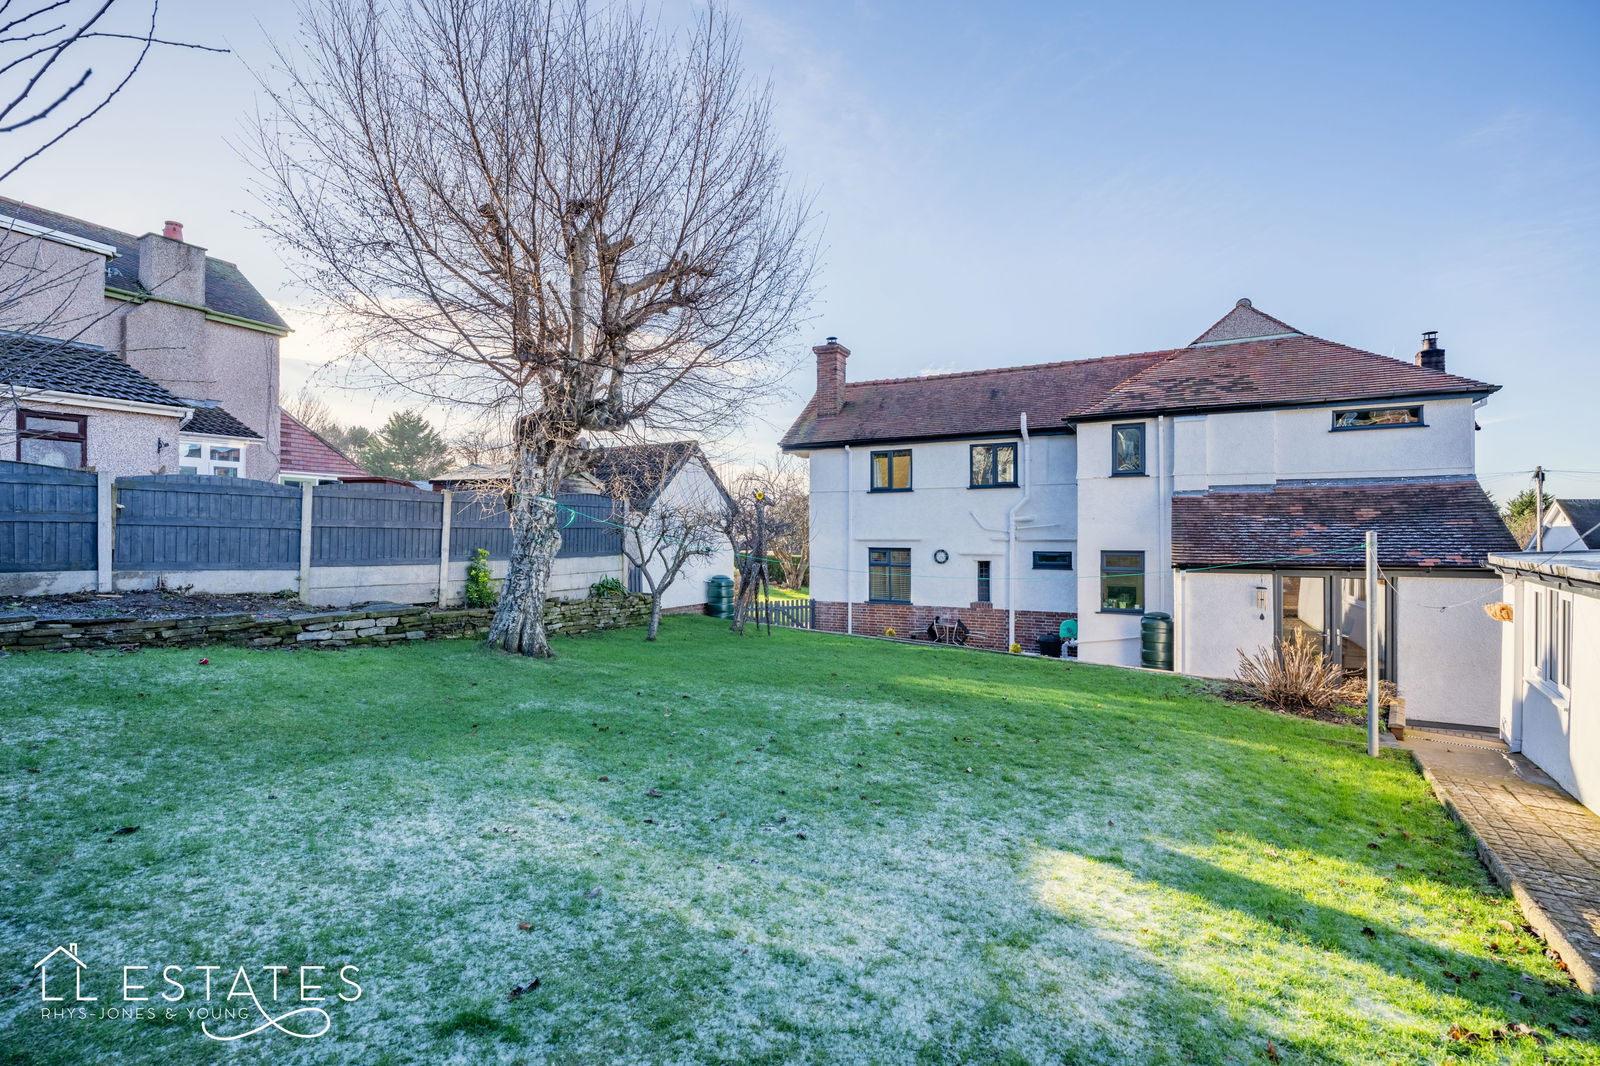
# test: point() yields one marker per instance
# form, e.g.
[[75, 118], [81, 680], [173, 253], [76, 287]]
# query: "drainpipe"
[[1163, 543], [1011, 531], [849, 505]]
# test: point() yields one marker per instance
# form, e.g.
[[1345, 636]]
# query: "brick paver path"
[[1539, 842]]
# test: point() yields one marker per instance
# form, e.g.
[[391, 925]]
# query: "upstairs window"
[[1122, 582], [891, 471], [1377, 417], [994, 466], [52, 439], [889, 575], [1052, 560], [1127, 450]]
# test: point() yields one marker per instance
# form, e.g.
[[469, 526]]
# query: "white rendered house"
[[1227, 483], [1550, 709]]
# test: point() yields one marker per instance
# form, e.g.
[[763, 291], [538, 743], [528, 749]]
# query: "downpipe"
[[1011, 530]]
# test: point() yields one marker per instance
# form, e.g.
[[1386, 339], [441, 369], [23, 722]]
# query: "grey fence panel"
[[47, 518], [375, 525], [587, 529], [196, 522], [480, 520]]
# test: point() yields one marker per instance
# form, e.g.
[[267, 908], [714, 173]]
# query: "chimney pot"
[[172, 230], [830, 376], [1431, 357]]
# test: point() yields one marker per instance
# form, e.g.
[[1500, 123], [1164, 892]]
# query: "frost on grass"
[[829, 852]]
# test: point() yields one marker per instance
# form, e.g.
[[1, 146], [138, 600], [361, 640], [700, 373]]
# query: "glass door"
[[1332, 609]]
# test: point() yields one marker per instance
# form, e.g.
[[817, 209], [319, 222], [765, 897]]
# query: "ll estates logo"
[[227, 1002]]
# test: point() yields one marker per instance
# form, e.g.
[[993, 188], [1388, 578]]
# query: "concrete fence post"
[[444, 543], [105, 534], [306, 490]]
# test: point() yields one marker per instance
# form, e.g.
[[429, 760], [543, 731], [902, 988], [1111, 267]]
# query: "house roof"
[[974, 403], [211, 420], [1244, 322], [1420, 522], [301, 450], [1585, 518], [1246, 359], [228, 292], [632, 473], [32, 362], [636, 473]]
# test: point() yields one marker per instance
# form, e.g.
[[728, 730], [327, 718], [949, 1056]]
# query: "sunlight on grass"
[[795, 848]]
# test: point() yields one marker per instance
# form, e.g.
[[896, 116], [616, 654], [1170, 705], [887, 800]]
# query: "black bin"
[[1050, 645]]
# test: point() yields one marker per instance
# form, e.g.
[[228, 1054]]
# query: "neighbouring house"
[[640, 477], [1227, 484], [132, 354], [1570, 525], [1550, 664], [305, 456]]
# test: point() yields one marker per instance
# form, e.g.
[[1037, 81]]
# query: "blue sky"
[[1004, 183]]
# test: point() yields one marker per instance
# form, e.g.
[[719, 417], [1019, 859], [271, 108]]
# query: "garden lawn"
[[791, 849]]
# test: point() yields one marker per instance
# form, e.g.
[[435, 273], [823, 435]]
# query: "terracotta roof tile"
[[1420, 523], [1273, 373], [974, 403], [1224, 369], [301, 451]]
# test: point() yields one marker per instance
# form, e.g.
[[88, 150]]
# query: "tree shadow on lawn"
[[1333, 980]]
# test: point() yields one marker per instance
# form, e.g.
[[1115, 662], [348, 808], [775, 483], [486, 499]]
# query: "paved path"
[[1539, 842]]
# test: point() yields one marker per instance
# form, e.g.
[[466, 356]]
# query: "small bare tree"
[[788, 520], [565, 216], [671, 517]]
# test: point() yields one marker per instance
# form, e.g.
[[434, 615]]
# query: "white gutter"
[[1011, 531], [849, 549], [101, 403]]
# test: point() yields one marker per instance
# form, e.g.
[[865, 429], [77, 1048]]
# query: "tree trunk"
[[518, 624], [655, 617]]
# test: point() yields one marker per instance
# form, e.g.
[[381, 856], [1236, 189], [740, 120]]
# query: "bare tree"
[[788, 520], [47, 87], [670, 517], [568, 217]]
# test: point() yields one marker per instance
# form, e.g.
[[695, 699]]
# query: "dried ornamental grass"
[[1297, 674]]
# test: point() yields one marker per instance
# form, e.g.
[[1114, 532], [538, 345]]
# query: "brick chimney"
[[830, 376], [1432, 356], [171, 268]]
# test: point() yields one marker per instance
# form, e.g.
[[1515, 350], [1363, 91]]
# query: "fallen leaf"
[[592, 893], [1272, 1052], [125, 830], [654, 793], [526, 927]]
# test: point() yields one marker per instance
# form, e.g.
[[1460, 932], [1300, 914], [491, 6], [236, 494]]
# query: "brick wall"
[[381, 623], [986, 624]]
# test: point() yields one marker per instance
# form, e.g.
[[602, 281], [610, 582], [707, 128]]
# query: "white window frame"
[[1550, 641], [205, 465]]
